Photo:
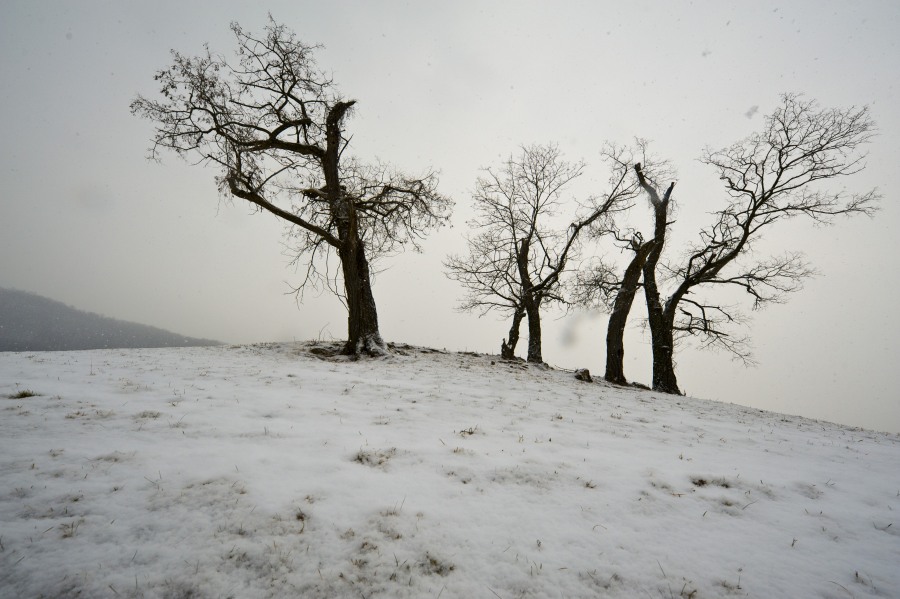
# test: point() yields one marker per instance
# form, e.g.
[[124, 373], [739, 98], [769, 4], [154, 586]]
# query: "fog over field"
[[29, 323], [87, 220]]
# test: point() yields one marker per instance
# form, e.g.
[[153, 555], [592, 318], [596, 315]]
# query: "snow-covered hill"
[[29, 322], [270, 471]]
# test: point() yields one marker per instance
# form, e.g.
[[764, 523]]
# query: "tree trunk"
[[533, 311], [661, 322], [363, 335], [531, 303], [508, 348], [662, 337], [615, 332], [663, 343]]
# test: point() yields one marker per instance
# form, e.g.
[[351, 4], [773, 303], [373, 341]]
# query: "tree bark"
[[663, 344], [508, 348], [363, 335], [533, 311], [615, 332], [531, 303]]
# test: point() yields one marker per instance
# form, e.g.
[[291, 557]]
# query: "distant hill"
[[29, 322]]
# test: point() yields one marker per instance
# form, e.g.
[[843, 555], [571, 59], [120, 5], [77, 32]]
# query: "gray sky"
[[87, 220]]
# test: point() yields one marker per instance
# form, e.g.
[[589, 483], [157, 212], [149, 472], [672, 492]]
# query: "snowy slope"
[[266, 471]]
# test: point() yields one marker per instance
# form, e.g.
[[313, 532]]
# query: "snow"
[[267, 471]]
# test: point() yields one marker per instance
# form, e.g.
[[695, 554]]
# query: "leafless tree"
[[517, 256], [274, 124], [771, 176], [600, 283]]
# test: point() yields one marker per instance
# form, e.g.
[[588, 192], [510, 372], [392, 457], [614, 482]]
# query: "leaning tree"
[[273, 123], [771, 176], [517, 256], [601, 283]]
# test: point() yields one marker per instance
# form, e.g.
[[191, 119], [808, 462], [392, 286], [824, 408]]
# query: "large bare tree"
[[775, 175], [274, 125], [517, 256]]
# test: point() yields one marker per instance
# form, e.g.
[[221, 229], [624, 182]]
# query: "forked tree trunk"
[[508, 348], [660, 321], [615, 332]]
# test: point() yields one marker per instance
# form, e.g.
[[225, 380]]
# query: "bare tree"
[[274, 124], [600, 284], [663, 350], [516, 257], [769, 177]]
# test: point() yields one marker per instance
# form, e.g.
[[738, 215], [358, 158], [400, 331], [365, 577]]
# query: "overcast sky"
[[87, 220]]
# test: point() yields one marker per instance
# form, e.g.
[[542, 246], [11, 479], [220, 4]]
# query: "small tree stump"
[[583, 374]]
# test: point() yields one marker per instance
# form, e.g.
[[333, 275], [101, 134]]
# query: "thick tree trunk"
[[663, 343], [661, 322], [363, 335], [615, 332], [508, 348], [661, 335]]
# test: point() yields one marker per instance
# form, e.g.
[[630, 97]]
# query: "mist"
[[88, 220]]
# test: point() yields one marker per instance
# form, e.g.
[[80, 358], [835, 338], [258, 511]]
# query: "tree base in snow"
[[370, 345]]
